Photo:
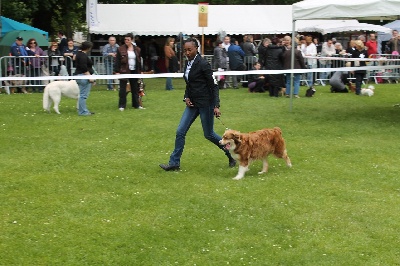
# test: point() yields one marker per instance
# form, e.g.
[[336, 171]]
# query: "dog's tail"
[[280, 146], [46, 99]]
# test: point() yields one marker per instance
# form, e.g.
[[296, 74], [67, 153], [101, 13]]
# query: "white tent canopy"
[[172, 19], [345, 9], [330, 26]]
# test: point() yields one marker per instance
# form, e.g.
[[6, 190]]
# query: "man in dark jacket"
[[235, 54], [18, 49], [273, 61]]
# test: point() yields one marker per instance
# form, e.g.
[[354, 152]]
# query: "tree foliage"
[[50, 15], [70, 15]]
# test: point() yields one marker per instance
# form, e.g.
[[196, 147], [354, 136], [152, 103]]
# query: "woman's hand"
[[188, 102], [217, 112]]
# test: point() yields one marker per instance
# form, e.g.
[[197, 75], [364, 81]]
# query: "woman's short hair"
[[129, 35], [338, 45], [308, 39], [30, 40]]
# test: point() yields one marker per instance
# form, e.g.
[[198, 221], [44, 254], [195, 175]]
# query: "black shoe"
[[232, 163], [168, 167]]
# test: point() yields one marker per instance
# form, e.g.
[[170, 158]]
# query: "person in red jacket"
[[371, 45]]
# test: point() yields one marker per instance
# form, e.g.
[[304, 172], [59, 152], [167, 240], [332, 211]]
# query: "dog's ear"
[[236, 136]]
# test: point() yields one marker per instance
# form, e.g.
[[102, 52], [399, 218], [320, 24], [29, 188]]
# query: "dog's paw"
[[262, 172], [289, 165], [237, 177]]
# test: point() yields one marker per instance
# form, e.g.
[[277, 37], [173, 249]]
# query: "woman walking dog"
[[201, 99]]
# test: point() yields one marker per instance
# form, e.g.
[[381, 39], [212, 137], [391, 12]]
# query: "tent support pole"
[[202, 41], [292, 65]]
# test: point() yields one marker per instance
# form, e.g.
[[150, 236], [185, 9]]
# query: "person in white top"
[[226, 43], [128, 61], [328, 50], [310, 50]]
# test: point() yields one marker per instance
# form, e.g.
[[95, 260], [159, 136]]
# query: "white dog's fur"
[[45, 72], [369, 91], [54, 90], [63, 71]]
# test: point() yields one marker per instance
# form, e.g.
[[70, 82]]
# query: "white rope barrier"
[[225, 73]]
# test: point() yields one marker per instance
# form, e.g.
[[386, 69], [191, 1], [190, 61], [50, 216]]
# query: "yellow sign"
[[203, 8], [203, 14]]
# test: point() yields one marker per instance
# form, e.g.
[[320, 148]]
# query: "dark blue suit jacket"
[[201, 86]]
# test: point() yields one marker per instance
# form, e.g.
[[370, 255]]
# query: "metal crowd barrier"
[[30, 66], [248, 61], [388, 75], [103, 66], [379, 76], [323, 78]]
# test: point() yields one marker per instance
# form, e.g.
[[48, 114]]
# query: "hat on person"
[[19, 38]]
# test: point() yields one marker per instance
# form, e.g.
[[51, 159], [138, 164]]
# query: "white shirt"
[[310, 50], [189, 66], [132, 60], [326, 52], [226, 47]]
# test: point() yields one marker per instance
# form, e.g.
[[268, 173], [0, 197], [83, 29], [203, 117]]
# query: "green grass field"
[[89, 191]]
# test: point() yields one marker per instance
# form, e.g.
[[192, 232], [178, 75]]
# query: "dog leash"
[[222, 122], [94, 71]]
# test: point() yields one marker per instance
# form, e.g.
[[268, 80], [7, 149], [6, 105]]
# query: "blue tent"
[[384, 37], [10, 25]]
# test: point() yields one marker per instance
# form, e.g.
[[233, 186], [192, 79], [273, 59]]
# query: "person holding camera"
[[201, 99], [84, 68]]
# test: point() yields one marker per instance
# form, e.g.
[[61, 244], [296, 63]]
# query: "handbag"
[[252, 85], [173, 64]]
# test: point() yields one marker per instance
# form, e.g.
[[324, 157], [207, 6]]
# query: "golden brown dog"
[[257, 145]]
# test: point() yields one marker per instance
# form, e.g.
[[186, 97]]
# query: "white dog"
[[369, 91], [54, 90]]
